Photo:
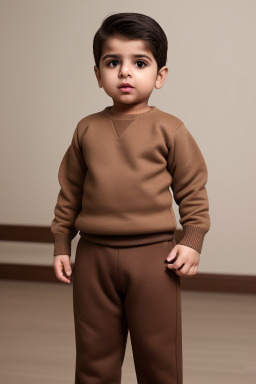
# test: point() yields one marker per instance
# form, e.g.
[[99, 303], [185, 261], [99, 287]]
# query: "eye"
[[110, 62], [142, 64]]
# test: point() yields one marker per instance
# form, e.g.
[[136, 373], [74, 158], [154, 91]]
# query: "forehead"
[[123, 46]]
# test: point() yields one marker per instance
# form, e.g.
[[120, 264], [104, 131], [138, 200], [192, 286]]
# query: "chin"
[[123, 100]]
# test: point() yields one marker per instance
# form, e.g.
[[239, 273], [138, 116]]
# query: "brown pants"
[[116, 289]]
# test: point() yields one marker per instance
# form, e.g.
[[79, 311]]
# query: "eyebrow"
[[117, 56]]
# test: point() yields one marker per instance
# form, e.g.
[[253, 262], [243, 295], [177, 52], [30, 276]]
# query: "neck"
[[129, 108]]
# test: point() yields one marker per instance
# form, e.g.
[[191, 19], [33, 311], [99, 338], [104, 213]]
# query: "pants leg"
[[153, 310], [119, 288], [100, 322]]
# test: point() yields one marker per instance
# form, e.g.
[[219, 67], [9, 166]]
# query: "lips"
[[126, 88], [126, 85]]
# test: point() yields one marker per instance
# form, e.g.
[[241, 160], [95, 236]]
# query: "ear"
[[161, 77], [97, 73]]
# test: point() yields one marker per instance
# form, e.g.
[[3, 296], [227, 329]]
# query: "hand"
[[186, 260], [62, 268]]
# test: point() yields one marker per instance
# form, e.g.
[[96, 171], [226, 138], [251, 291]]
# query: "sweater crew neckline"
[[128, 116]]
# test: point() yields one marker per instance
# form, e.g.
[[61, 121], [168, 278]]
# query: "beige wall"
[[48, 84]]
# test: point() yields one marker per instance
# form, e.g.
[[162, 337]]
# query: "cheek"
[[148, 76], [146, 83], [108, 78]]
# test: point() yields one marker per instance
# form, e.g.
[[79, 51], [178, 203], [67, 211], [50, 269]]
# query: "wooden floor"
[[37, 336]]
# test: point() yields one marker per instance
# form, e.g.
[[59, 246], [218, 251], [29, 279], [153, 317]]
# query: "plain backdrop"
[[48, 85]]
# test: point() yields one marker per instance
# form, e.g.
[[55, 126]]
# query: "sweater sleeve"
[[189, 177], [71, 177]]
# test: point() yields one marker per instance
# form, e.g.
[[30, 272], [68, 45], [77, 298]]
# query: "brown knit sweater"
[[115, 180]]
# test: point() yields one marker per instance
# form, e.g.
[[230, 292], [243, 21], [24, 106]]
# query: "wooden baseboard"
[[205, 282]]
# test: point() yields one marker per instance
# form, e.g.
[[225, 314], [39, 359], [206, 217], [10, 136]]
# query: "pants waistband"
[[128, 240]]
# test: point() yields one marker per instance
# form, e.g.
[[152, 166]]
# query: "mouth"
[[126, 87]]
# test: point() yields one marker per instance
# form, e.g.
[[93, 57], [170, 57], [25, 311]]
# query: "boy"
[[115, 178]]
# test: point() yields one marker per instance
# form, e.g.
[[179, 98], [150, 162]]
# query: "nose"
[[125, 70]]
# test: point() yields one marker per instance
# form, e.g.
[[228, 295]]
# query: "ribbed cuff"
[[62, 244], [193, 237]]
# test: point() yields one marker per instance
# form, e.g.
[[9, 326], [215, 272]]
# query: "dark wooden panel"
[[27, 272], [30, 233], [220, 283], [39, 234], [200, 282]]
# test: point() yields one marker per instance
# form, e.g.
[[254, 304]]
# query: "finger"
[[171, 262], [177, 265], [173, 254], [67, 267], [63, 277], [61, 274], [192, 271], [65, 280], [181, 271], [179, 268]]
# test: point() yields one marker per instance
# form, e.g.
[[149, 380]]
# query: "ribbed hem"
[[193, 237], [128, 240], [62, 244]]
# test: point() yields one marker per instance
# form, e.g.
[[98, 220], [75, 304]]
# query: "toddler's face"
[[127, 61]]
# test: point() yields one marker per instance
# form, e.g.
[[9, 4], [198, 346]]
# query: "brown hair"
[[132, 26]]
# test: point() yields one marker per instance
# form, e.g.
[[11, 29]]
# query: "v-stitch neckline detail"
[[121, 122]]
